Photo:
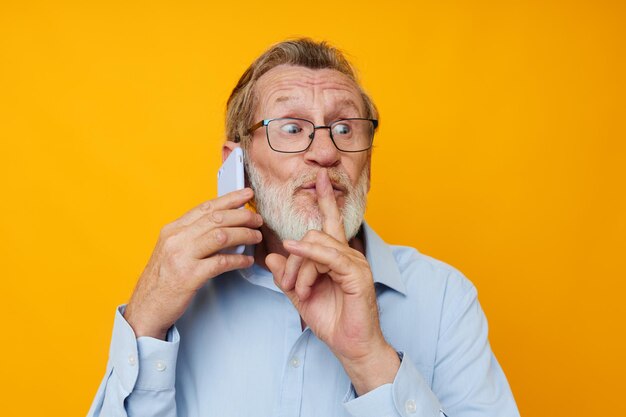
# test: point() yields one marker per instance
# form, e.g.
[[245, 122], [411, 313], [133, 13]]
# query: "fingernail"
[[291, 243]]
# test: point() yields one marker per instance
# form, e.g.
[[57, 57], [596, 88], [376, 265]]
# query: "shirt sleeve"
[[468, 379], [408, 396], [140, 374]]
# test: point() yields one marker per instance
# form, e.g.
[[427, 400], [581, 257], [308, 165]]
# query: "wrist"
[[377, 368], [142, 327]]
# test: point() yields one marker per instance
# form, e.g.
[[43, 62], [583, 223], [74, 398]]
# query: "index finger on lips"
[[332, 222]]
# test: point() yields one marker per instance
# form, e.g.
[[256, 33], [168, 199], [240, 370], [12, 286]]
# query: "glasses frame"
[[266, 122]]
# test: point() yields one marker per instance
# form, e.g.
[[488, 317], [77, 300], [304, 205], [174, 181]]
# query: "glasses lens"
[[353, 135], [290, 135]]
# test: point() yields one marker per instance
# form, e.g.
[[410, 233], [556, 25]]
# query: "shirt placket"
[[296, 344]]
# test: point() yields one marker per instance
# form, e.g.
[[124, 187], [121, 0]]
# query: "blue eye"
[[291, 128], [341, 129]]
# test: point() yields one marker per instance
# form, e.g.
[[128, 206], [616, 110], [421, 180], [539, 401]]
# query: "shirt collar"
[[382, 262]]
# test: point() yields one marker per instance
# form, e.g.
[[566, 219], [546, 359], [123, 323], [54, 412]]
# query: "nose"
[[322, 150]]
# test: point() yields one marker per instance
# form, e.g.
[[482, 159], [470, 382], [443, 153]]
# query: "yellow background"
[[501, 151]]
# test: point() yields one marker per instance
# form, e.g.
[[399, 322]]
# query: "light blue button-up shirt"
[[239, 350]]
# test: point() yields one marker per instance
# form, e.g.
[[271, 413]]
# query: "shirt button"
[[294, 362], [160, 366], [132, 360], [410, 406]]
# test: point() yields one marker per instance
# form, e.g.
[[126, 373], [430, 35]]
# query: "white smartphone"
[[230, 177]]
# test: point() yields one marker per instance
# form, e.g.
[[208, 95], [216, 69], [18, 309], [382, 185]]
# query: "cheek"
[[271, 165], [286, 169], [258, 154], [354, 168]]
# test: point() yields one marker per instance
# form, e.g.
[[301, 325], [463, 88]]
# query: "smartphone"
[[230, 177]]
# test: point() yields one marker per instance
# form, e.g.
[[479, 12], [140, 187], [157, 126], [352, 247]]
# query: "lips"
[[311, 186]]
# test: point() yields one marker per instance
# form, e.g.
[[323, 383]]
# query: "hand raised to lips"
[[331, 286]]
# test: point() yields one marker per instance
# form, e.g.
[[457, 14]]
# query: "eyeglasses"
[[293, 135]]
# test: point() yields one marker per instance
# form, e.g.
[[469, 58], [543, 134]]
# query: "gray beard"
[[290, 221]]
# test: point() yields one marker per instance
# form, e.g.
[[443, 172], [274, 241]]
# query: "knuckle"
[[166, 230], [336, 253], [343, 260], [219, 236], [312, 235], [218, 264], [221, 261], [212, 268], [170, 243], [217, 216], [183, 266], [254, 235], [178, 264], [207, 206]]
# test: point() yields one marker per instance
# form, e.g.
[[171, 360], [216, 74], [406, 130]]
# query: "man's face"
[[285, 183]]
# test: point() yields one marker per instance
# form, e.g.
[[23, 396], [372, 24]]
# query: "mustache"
[[337, 178]]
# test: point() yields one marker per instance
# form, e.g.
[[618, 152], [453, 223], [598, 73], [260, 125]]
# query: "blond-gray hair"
[[302, 52]]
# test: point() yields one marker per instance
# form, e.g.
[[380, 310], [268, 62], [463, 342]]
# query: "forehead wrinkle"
[[297, 84], [288, 82], [347, 102]]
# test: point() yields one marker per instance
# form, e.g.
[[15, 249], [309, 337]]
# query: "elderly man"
[[324, 319]]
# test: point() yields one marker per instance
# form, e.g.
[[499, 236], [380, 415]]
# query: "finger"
[[218, 264], [324, 239], [292, 268], [331, 216], [307, 275], [295, 262], [226, 218], [215, 240], [329, 257], [232, 200], [276, 264]]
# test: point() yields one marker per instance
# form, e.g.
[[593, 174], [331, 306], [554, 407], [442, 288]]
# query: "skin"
[[327, 278]]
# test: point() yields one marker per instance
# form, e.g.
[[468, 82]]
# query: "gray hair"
[[302, 52]]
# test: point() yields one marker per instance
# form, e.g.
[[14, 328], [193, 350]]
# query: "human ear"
[[228, 147]]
